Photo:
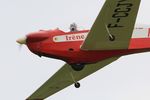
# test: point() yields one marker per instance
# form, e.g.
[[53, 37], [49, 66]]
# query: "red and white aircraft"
[[85, 51]]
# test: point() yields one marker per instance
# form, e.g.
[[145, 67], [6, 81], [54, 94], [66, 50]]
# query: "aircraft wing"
[[63, 78], [113, 27]]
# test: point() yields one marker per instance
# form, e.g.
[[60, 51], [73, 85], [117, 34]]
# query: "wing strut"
[[111, 37], [76, 83]]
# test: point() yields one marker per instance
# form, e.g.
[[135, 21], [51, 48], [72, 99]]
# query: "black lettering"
[[114, 26], [118, 20], [125, 4], [119, 15], [123, 10]]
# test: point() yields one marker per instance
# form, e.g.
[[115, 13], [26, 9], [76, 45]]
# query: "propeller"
[[21, 41]]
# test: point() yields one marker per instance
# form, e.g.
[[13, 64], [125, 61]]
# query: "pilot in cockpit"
[[73, 27]]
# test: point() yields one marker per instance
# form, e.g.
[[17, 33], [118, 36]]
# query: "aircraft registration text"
[[122, 10]]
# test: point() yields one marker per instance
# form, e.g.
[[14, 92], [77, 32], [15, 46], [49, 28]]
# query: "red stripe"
[[139, 43]]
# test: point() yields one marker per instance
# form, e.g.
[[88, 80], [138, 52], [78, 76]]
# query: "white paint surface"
[[70, 38], [140, 33]]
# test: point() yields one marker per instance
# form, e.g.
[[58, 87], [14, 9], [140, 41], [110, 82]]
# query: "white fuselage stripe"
[[137, 33]]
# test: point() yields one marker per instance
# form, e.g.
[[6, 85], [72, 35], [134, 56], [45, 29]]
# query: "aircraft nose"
[[21, 40]]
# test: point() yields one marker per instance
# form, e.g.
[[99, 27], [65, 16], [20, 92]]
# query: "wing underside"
[[65, 77], [114, 26]]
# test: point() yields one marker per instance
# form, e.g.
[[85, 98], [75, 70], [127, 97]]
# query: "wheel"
[[112, 38], [77, 67], [77, 85]]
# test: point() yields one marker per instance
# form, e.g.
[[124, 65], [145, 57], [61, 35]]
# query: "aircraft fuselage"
[[66, 45]]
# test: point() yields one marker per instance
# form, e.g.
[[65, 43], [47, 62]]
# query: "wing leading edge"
[[63, 78], [114, 26]]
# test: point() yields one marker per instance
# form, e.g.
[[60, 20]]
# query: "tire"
[[112, 38], [77, 85], [77, 67]]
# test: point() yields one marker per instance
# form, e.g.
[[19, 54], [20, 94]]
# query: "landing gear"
[[77, 85], [77, 67], [112, 37]]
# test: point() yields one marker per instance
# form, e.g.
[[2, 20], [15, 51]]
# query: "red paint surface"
[[139, 43], [42, 44]]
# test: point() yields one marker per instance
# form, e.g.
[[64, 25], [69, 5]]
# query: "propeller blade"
[[20, 47]]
